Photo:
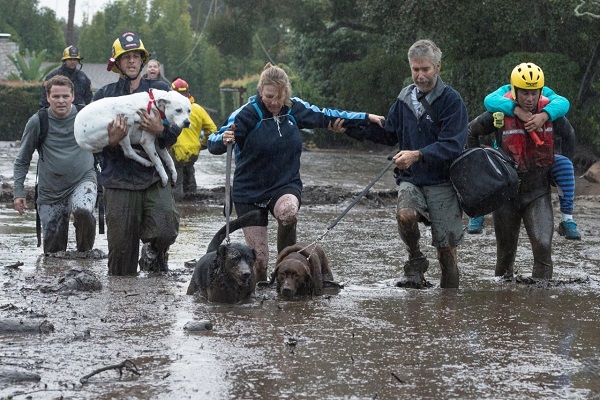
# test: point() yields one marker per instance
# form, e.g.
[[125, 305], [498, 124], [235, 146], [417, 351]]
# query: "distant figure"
[[153, 72], [189, 143], [83, 85]]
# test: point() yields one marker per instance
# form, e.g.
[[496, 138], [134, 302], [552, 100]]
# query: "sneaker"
[[568, 229], [475, 225]]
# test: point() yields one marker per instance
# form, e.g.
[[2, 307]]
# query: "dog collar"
[[151, 102]]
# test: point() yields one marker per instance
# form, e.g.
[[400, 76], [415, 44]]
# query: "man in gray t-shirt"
[[66, 173]]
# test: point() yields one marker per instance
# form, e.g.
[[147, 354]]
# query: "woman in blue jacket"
[[267, 142]]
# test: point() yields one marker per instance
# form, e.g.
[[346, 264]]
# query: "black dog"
[[225, 274]]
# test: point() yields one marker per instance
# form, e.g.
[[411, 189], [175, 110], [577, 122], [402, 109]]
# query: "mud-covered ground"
[[489, 339]]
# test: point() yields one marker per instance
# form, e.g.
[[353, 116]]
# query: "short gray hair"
[[425, 48]]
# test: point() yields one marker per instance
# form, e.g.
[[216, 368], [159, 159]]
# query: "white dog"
[[91, 125]]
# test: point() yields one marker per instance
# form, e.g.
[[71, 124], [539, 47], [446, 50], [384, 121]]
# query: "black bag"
[[484, 179]]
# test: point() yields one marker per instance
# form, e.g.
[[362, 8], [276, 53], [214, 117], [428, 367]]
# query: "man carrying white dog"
[[138, 207]]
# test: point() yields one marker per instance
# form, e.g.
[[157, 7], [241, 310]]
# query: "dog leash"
[[227, 190], [360, 195]]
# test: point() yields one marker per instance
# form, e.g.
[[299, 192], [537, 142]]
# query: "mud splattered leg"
[[286, 212]]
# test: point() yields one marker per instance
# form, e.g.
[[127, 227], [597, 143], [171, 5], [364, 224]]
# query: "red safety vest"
[[530, 150]]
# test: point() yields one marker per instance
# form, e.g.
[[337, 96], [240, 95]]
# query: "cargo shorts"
[[439, 208]]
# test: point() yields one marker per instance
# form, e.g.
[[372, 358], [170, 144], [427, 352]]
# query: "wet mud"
[[367, 339]]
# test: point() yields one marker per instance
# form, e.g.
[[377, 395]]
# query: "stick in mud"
[[127, 364]]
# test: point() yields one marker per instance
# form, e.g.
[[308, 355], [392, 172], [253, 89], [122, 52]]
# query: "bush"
[[18, 101]]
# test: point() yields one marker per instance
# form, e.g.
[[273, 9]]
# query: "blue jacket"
[[495, 101], [440, 143], [118, 171], [268, 148]]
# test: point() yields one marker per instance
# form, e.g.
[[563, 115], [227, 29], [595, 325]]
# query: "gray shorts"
[[439, 207]]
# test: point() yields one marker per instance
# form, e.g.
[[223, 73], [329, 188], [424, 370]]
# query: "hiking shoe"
[[568, 229], [475, 225], [414, 274]]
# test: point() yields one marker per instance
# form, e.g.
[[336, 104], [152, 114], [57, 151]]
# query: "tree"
[[31, 28], [71, 18]]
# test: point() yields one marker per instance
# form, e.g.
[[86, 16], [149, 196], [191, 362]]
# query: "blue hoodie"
[[268, 148]]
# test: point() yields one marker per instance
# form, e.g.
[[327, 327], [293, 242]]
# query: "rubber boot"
[[286, 235], [414, 273], [449, 265]]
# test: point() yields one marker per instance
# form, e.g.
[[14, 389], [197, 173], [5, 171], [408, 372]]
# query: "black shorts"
[[244, 208]]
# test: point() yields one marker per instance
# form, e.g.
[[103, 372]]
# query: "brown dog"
[[301, 269]]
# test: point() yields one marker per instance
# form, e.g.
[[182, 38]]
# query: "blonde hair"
[[276, 76]]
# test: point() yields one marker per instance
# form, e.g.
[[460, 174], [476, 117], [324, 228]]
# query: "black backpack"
[[484, 179]]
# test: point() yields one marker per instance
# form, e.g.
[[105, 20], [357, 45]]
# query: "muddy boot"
[[152, 260], [286, 235], [541, 270], [449, 265], [414, 273]]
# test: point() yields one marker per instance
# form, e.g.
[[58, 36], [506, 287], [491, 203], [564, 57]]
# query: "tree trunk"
[[586, 91], [70, 29]]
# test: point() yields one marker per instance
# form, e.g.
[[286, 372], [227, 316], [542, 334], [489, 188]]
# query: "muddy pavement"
[[489, 339]]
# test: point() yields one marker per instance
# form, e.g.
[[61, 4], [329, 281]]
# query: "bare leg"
[[417, 265], [449, 264], [256, 237], [286, 213]]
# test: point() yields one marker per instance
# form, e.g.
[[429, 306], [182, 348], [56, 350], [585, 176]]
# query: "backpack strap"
[[43, 117], [428, 108]]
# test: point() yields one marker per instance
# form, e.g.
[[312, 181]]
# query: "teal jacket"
[[495, 101]]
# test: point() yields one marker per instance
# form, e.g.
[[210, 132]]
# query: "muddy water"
[[489, 339]]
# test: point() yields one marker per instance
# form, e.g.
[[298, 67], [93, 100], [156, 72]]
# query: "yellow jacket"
[[195, 136]]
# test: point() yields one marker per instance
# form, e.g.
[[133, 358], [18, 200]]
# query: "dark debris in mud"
[[93, 254], [72, 281], [547, 283]]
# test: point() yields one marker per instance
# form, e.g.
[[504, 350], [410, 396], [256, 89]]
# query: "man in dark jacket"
[[83, 86], [429, 120], [138, 207]]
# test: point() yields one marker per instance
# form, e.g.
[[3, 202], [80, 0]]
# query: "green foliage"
[[22, 101], [32, 28], [32, 70]]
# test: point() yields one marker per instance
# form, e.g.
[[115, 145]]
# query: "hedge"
[[19, 101]]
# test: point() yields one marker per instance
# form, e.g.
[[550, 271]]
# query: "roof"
[[96, 72]]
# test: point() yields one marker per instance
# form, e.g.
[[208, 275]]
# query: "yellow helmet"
[[126, 42], [526, 76], [71, 52]]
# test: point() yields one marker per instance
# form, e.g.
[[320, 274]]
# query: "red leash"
[[151, 102]]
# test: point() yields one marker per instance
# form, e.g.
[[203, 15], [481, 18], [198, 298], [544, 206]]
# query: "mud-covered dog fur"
[[225, 274], [301, 269]]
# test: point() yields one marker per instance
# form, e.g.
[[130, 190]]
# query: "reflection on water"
[[371, 340]]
